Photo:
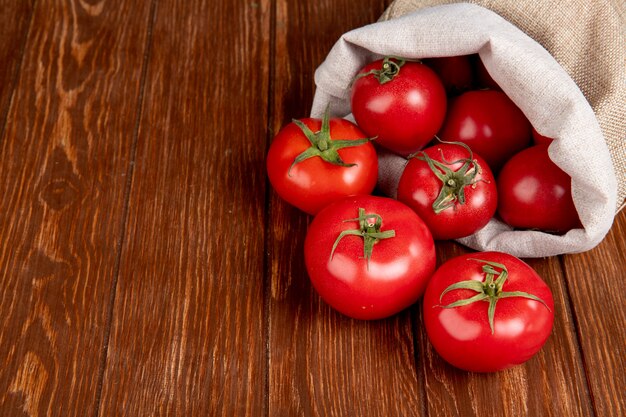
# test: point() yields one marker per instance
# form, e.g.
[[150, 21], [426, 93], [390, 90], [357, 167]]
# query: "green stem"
[[390, 68], [370, 225], [489, 290], [323, 146], [453, 183]]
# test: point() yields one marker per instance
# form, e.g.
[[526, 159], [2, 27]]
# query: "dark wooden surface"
[[147, 269]]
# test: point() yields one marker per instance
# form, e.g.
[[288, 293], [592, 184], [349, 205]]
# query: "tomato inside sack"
[[489, 123], [314, 183], [454, 193], [483, 78], [464, 336], [403, 111], [394, 274], [455, 72], [535, 193]]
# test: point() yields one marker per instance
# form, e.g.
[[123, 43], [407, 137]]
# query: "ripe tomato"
[[455, 72], [483, 78], [369, 257], [451, 189], [490, 123], [312, 162], [402, 104], [534, 193], [468, 329]]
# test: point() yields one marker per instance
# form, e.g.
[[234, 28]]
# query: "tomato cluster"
[[471, 158]]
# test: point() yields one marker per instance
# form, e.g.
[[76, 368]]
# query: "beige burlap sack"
[[588, 39], [587, 121]]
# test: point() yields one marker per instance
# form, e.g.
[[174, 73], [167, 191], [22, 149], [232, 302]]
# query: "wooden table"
[[147, 268]]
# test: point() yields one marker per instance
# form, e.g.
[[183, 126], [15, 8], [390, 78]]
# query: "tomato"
[[483, 78], [455, 72], [540, 139], [401, 103], [490, 123], [369, 257], [312, 162], [487, 311], [451, 189], [535, 193]]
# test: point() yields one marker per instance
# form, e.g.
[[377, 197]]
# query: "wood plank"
[[550, 384], [64, 159], [595, 279], [322, 363], [14, 22], [188, 326]]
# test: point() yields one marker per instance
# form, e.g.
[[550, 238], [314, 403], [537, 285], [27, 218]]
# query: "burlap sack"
[[579, 102]]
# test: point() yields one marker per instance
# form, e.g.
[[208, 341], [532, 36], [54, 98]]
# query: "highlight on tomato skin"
[[369, 257], [487, 311]]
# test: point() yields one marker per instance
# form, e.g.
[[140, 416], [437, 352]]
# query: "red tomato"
[[483, 78], [455, 72], [466, 326], [312, 162], [369, 257], [402, 104], [534, 193], [540, 139], [451, 189], [490, 123]]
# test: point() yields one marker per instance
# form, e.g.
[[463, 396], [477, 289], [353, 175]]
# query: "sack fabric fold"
[[528, 74]]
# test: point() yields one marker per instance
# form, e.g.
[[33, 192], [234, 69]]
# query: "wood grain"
[[14, 23], [64, 165], [595, 281], [146, 269], [322, 363], [188, 326]]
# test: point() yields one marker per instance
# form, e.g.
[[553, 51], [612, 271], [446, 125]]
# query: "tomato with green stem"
[[487, 311], [313, 162], [451, 188], [369, 257], [401, 103]]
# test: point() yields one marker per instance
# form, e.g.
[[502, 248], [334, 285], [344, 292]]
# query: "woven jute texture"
[[588, 40]]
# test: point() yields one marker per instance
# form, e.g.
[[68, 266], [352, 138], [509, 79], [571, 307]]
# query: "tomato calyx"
[[388, 71], [453, 182], [322, 145], [489, 290], [370, 225]]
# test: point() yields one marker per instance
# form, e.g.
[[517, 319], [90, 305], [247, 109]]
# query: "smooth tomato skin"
[[398, 269], [404, 113], [313, 183], [456, 72], [490, 123], [419, 187], [462, 335], [535, 193]]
